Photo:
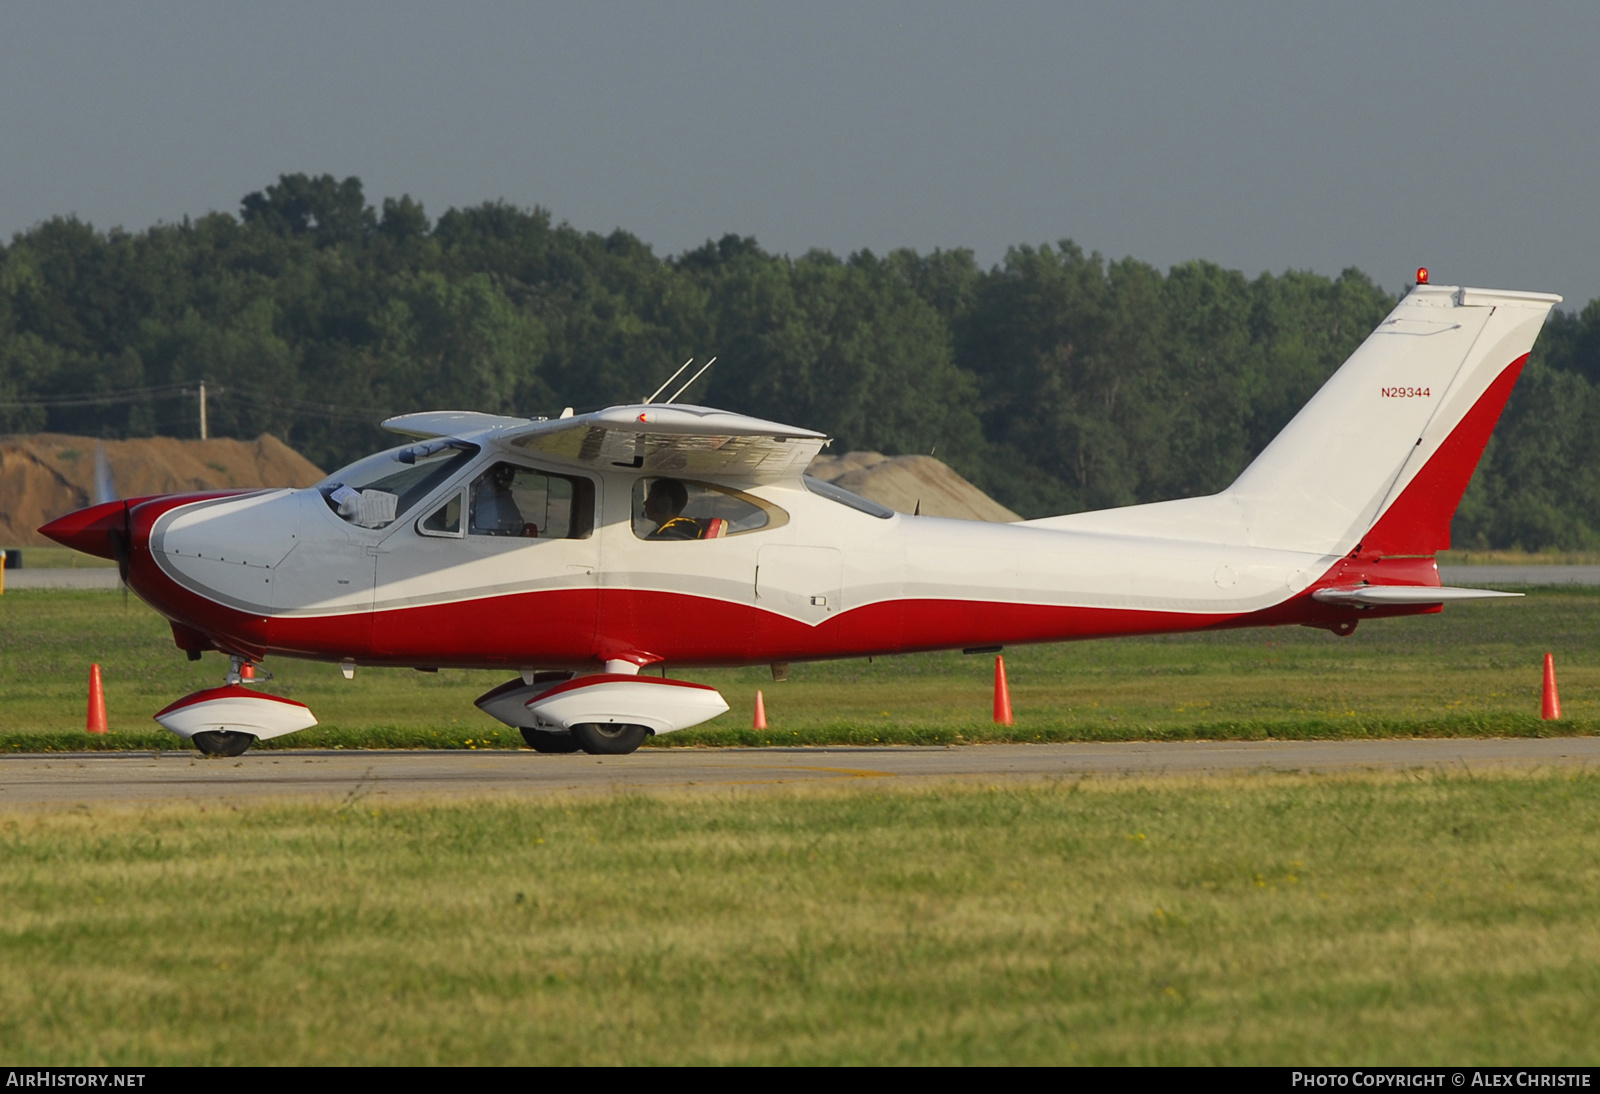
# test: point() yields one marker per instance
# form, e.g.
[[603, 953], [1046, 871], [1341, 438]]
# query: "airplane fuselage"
[[278, 572]]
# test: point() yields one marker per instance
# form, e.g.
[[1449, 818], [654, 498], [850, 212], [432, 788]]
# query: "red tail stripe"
[[1418, 523]]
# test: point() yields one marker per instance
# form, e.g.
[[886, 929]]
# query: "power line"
[[132, 395], [244, 393], [340, 411]]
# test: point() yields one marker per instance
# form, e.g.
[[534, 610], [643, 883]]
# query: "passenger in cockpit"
[[662, 507]]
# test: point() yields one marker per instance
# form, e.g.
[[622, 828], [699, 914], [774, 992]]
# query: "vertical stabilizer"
[[1393, 437], [1381, 455]]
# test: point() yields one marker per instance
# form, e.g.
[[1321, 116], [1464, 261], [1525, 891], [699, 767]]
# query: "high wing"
[[448, 423], [690, 441]]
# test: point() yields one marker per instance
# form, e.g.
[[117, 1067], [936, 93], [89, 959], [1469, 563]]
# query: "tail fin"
[[1387, 447], [1380, 456]]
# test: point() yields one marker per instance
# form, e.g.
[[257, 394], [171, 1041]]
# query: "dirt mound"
[[45, 475], [901, 482]]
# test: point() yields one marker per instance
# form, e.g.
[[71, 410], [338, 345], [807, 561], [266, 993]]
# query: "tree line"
[[1056, 380]]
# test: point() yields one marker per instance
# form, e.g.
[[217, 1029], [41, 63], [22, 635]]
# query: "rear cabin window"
[[678, 509]]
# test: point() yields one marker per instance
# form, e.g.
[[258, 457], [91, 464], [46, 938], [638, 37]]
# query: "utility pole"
[[202, 410]]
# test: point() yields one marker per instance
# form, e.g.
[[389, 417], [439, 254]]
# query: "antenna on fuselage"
[[692, 379], [671, 378]]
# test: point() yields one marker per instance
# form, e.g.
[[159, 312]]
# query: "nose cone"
[[90, 530]]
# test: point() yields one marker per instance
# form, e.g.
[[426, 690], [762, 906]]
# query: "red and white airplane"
[[579, 550]]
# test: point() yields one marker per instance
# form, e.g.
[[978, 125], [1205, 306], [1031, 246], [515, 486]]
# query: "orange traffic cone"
[[1550, 703], [761, 712], [97, 702], [1002, 694]]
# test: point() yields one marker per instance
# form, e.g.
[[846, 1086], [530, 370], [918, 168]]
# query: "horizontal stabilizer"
[[1404, 594]]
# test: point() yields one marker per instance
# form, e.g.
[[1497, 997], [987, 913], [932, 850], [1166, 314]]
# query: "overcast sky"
[[1462, 136]]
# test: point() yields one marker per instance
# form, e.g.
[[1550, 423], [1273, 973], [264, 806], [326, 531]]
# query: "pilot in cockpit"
[[494, 508], [663, 507]]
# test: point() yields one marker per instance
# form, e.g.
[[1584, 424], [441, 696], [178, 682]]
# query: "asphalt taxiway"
[[54, 779]]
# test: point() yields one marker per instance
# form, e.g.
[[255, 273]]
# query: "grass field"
[[1486, 557], [1268, 920], [54, 558], [1471, 670], [1263, 920]]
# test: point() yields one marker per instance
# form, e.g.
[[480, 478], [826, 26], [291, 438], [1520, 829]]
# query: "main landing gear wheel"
[[222, 742], [608, 738], [540, 741]]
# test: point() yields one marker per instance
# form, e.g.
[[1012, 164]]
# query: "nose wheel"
[[226, 721], [222, 742]]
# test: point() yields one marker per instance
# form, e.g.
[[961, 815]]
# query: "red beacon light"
[[1422, 275]]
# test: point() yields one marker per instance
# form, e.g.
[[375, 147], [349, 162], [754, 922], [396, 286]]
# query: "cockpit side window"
[[377, 491], [521, 503], [666, 509], [445, 520]]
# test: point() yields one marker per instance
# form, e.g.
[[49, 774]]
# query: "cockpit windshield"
[[377, 491]]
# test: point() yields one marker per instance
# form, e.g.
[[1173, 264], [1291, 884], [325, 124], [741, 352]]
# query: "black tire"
[[540, 741], [222, 742], [609, 738]]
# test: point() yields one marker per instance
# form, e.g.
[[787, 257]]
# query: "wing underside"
[[672, 440], [689, 441]]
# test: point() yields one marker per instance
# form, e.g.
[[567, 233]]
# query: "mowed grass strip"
[[1472, 670], [1269, 920]]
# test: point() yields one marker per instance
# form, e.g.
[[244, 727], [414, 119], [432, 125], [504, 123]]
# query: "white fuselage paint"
[[827, 559]]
